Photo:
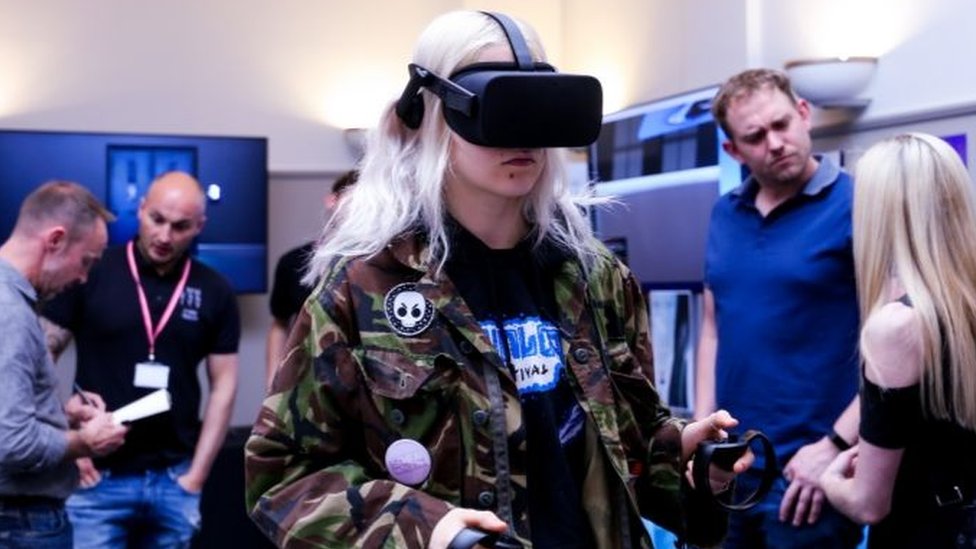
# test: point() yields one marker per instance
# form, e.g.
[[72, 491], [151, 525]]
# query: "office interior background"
[[304, 73]]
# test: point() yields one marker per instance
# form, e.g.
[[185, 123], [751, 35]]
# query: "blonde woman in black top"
[[911, 476]]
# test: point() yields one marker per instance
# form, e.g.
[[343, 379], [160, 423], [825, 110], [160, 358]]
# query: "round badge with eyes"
[[408, 312]]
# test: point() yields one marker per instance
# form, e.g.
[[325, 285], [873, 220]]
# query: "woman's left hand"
[[842, 468]]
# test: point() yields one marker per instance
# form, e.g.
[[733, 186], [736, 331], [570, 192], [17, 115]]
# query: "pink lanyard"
[[151, 334]]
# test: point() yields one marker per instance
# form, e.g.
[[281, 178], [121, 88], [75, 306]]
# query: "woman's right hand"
[[459, 518]]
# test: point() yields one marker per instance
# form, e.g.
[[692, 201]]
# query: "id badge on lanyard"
[[151, 374]]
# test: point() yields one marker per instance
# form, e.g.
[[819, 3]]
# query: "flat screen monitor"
[[118, 168]]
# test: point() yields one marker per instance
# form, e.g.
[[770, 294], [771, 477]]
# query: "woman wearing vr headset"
[[912, 476], [474, 366]]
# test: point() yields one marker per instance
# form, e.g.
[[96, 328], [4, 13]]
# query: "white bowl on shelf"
[[834, 81]]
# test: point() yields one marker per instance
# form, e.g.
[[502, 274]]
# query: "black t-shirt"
[[511, 294], [938, 455], [105, 318], [288, 294], [937, 461]]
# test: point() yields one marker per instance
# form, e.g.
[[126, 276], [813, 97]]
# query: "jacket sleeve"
[[663, 494], [308, 480]]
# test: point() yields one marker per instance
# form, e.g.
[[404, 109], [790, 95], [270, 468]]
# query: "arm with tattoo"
[[56, 337]]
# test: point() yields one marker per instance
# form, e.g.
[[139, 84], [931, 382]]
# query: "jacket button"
[[397, 417], [479, 417], [466, 347], [486, 499], [581, 355]]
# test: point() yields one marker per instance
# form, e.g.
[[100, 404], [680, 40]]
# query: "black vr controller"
[[470, 537], [724, 454]]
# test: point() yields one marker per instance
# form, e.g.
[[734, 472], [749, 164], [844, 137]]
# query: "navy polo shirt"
[[786, 309], [105, 318]]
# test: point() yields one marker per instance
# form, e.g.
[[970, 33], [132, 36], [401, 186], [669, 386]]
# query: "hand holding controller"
[[724, 454], [470, 537]]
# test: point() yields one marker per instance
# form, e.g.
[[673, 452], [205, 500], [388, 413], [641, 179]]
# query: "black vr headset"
[[510, 105]]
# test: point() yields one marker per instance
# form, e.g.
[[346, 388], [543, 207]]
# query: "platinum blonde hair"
[[402, 174], [915, 219]]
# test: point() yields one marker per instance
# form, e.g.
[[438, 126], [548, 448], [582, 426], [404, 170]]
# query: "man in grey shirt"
[[60, 232]]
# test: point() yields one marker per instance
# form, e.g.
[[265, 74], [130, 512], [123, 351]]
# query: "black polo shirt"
[[106, 320], [288, 294]]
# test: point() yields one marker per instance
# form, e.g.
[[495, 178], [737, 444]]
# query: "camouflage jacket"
[[350, 386]]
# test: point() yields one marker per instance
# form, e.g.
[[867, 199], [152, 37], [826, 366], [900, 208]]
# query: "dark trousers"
[[760, 527]]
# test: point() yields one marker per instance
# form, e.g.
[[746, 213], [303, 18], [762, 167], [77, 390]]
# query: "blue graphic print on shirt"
[[535, 352]]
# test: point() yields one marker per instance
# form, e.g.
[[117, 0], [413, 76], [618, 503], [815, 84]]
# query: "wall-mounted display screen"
[[118, 168]]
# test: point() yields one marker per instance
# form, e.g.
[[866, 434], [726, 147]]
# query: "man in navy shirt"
[[146, 318], [778, 346]]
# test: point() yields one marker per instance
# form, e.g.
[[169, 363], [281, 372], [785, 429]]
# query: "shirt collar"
[[9, 274], [825, 176]]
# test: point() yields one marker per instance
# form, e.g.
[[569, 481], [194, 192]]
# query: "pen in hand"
[[84, 397]]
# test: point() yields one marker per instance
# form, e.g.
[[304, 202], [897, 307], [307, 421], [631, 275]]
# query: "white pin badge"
[[407, 311], [408, 461]]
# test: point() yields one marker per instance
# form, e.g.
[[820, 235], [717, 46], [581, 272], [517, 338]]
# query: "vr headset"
[[510, 105]]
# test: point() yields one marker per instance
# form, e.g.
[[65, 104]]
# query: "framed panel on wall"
[[675, 319]]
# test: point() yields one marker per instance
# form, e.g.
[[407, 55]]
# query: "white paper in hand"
[[154, 403]]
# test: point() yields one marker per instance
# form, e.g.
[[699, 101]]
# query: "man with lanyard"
[[146, 318]]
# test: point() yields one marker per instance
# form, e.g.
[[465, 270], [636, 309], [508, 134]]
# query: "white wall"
[[924, 46], [300, 71], [297, 72], [643, 50], [239, 67]]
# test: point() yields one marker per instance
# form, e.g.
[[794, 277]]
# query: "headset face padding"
[[510, 105]]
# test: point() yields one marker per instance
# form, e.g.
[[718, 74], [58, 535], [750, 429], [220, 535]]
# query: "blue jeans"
[[34, 525], [760, 527], [148, 509]]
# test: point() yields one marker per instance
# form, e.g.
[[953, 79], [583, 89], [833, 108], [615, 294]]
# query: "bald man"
[[146, 318]]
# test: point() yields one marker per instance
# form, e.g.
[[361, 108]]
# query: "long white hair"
[[915, 219], [402, 174]]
